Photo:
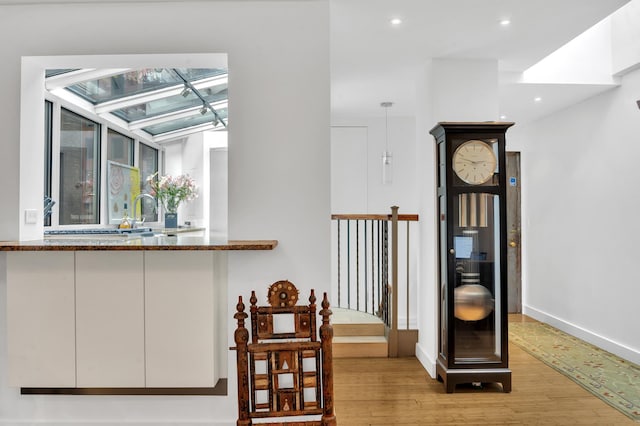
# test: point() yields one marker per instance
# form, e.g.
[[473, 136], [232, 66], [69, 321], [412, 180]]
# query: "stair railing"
[[368, 259]]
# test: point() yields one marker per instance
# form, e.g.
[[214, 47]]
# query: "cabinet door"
[[110, 319], [40, 319], [180, 314]]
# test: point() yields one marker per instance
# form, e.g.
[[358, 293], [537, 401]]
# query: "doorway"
[[514, 251]]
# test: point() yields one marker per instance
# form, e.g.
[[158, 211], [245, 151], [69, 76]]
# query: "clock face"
[[474, 162]]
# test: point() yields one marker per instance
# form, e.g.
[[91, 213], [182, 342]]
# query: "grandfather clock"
[[472, 346]]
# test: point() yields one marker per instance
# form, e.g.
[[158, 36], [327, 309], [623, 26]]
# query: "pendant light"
[[387, 157]]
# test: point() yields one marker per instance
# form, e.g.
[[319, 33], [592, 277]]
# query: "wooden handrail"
[[401, 217]]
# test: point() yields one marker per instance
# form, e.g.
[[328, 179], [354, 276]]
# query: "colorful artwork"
[[123, 184]]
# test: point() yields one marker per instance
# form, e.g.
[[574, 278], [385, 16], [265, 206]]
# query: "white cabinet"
[[180, 319], [41, 319], [110, 319]]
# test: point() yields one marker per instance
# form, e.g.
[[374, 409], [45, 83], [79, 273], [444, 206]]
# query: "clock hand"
[[468, 161]]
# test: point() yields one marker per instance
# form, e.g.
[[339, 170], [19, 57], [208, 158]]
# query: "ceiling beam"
[[169, 136], [80, 76], [176, 115], [158, 94]]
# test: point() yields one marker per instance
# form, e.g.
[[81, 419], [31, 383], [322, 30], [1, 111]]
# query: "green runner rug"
[[611, 378]]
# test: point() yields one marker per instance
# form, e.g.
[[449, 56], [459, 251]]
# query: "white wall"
[[356, 166], [193, 163], [625, 35], [464, 90], [349, 169], [217, 152], [173, 157], [426, 349], [272, 167], [219, 194], [579, 175]]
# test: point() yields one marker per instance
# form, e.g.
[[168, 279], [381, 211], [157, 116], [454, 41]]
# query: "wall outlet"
[[30, 216]]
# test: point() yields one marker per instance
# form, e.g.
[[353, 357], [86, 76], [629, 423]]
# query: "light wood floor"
[[385, 392]]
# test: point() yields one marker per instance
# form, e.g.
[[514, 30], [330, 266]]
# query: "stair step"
[[360, 346], [358, 334], [358, 329], [348, 322]]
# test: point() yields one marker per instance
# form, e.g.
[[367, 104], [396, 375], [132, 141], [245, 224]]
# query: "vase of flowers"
[[171, 191]]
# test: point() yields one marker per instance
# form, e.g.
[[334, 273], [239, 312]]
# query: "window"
[[148, 164], [79, 170], [74, 185], [120, 115], [119, 148]]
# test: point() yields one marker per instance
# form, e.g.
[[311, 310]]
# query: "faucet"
[[139, 198], [48, 205]]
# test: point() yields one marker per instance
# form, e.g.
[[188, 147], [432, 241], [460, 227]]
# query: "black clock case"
[[471, 370]]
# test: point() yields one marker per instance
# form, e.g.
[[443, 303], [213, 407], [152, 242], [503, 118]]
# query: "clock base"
[[452, 377]]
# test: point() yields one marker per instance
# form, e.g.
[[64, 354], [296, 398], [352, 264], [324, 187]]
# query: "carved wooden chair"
[[284, 371]]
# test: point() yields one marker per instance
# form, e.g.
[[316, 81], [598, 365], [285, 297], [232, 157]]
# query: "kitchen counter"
[[136, 313], [135, 242]]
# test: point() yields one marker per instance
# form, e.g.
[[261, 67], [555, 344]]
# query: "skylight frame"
[[108, 110]]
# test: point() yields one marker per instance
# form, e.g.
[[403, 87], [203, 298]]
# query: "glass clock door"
[[476, 278]]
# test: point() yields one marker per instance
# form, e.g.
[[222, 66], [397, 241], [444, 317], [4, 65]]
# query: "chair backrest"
[[283, 370]]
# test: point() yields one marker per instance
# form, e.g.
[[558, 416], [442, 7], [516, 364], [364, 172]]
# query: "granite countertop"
[[156, 242]]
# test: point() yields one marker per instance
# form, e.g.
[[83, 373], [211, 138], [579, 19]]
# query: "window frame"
[[143, 177], [48, 155], [97, 174], [131, 149]]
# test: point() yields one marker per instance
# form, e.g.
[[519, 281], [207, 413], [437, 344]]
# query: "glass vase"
[[171, 213], [170, 220]]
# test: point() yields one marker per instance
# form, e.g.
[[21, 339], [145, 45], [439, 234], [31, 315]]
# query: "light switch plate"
[[30, 216]]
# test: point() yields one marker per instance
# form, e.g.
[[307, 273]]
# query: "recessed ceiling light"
[[537, 99], [396, 21], [505, 22]]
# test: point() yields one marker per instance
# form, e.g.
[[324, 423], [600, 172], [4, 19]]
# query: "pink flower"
[[171, 191]]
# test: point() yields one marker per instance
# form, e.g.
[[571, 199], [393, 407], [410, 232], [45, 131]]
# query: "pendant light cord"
[[386, 129], [386, 106]]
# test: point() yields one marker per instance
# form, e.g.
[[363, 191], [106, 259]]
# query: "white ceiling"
[[373, 61]]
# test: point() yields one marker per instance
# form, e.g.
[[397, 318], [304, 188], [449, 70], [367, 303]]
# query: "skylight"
[[164, 103]]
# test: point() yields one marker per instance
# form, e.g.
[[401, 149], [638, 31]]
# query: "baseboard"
[[426, 361], [220, 389], [600, 341]]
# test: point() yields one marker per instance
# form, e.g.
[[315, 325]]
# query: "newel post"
[[326, 338], [393, 332]]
